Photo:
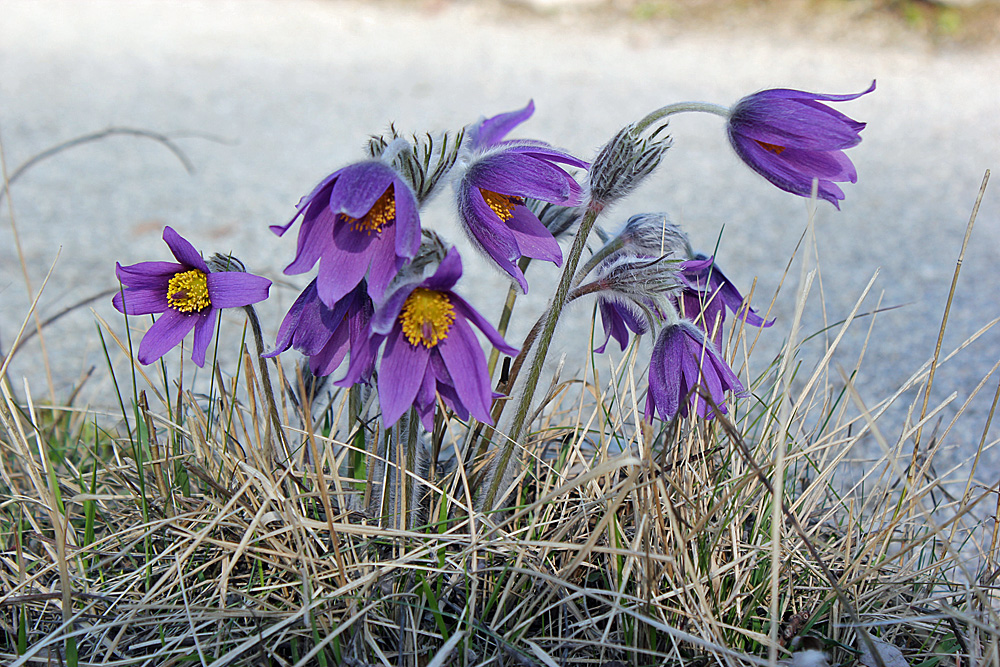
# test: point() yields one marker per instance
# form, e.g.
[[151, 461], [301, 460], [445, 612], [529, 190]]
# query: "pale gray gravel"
[[295, 87]]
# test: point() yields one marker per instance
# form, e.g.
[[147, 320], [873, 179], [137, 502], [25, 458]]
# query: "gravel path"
[[293, 88]]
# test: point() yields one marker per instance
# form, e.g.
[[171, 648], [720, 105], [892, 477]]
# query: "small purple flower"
[[708, 293], [617, 319], [362, 219], [187, 293], [491, 201], [325, 334], [431, 350], [685, 364], [790, 138]]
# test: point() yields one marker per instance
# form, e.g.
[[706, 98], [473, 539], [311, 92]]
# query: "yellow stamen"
[[774, 148], [502, 205], [382, 213], [426, 317], [188, 292]]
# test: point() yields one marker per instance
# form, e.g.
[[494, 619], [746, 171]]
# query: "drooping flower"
[[708, 293], [325, 334], [789, 137], [618, 319], [493, 130], [361, 220], [430, 349], [491, 201], [683, 365], [188, 294]]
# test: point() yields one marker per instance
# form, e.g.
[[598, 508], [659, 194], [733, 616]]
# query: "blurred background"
[[266, 97]]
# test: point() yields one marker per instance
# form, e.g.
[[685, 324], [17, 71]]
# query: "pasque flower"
[[491, 201], [325, 334], [430, 349], [708, 293], [685, 364], [187, 293], [361, 220], [618, 319], [790, 137]]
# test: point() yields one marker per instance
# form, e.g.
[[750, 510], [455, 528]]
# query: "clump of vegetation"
[[660, 506]]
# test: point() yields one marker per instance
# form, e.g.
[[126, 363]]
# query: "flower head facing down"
[[431, 350], [708, 293], [683, 368], [360, 221], [325, 334], [188, 294], [618, 319], [492, 195], [790, 137]]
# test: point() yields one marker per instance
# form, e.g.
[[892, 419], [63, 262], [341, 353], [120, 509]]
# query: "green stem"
[[515, 436], [681, 107]]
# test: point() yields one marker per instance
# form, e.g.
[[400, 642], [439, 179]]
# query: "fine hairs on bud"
[[422, 160], [625, 162], [654, 235]]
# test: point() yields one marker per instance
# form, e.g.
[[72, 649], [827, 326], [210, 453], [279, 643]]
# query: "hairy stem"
[[551, 318]]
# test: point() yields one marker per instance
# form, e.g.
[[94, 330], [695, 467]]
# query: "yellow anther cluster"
[[188, 292], [774, 148], [426, 317], [502, 205], [382, 213]]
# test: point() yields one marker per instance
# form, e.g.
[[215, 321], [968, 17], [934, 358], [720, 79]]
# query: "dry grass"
[[187, 533]]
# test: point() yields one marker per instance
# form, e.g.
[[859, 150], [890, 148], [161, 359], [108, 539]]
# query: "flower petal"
[[466, 311], [360, 185], [400, 375], [234, 289], [467, 366], [168, 330], [148, 275], [492, 130], [315, 238], [183, 250], [203, 327], [533, 239]]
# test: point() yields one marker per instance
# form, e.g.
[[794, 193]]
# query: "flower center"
[[427, 316], [502, 205], [382, 213], [774, 148], [187, 292]]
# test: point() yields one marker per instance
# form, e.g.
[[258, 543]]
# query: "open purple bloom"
[[431, 349], [187, 293], [362, 219], [490, 131], [685, 364], [789, 137], [617, 319], [708, 293], [491, 201], [325, 334]]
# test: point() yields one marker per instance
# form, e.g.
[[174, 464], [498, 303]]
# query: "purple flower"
[[490, 131], [708, 293], [491, 201], [790, 138], [187, 293], [685, 364], [617, 319], [325, 334], [362, 219], [431, 350]]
